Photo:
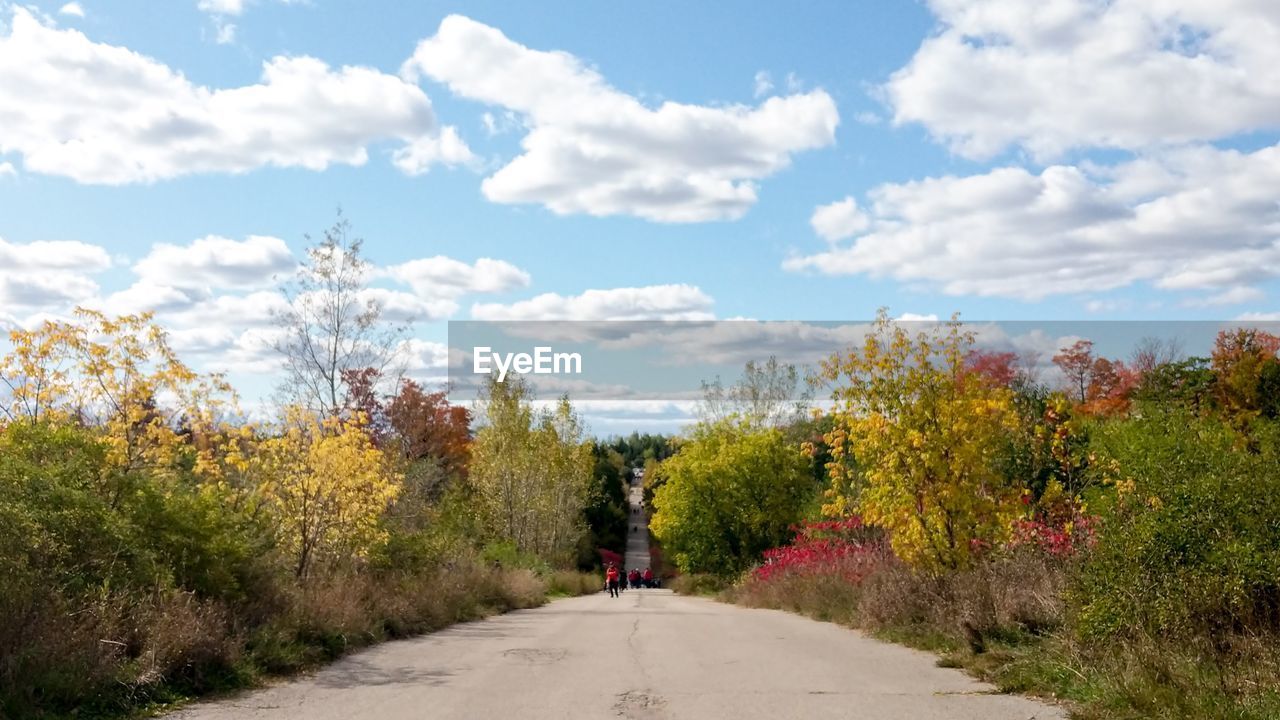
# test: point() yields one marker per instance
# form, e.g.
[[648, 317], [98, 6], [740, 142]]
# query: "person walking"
[[648, 578], [611, 579]]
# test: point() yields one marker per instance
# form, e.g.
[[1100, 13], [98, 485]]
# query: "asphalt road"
[[646, 654]]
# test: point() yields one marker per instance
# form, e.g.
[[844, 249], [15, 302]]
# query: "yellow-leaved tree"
[[914, 443], [327, 485], [120, 375]]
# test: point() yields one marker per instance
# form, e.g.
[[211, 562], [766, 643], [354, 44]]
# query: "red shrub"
[[844, 547], [1056, 539]]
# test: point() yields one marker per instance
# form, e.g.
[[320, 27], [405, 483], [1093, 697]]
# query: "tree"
[[732, 491], [1111, 387], [110, 373], [531, 471], [1153, 352], [332, 328], [768, 394], [1076, 363], [427, 426], [999, 368], [328, 486], [926, 435], [606, 513], [1241, 359]]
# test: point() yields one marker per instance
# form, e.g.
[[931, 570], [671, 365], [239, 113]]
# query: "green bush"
[[1190, 546]]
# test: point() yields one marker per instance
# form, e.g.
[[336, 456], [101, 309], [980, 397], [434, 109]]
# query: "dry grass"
[[116, 654], [1006, 622]]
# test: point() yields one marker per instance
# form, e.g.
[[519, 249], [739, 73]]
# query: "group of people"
[[615, 582]]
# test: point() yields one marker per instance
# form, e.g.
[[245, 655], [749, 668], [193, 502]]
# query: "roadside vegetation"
[[1112, 543], [156, 544]]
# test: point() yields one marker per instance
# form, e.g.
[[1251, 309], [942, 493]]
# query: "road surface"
[[646, 654]]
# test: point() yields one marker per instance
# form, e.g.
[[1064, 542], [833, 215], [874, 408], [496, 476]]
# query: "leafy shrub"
[[731, 493], [1191, 546]]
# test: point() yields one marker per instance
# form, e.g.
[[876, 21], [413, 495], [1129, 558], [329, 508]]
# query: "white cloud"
[[222, 7], [46, 255], [423, 357], [839, 220], [73, 9], [593, 149], [917, 317], [1050, 75], [146, 296], [1233, 296], [654, 302], [41, 290], [446, 148], [225, 32], [1259, 317], [217, 262], [1192, 219], [443, 277], [402, 307], [48, 275], [1105, 305], [7, 169], [763, 84], [254, 310], [105, 114]]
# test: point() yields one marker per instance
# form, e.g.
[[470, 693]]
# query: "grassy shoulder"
[[1004, 623], [343, 614]]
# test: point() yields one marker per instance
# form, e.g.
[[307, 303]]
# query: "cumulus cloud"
[[403, 307], [53, 255], [146, 296], [222, 7], [593, 149], [43, 290], [48, 275], [443, 277], [839, 220], [1059, 74], [1193, 219], [446, 148], [217, 262], [7, 169], [73, 9], [654, 302], [104, 114]]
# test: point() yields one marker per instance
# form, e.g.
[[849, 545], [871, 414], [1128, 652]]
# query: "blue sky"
[[1007, 159]]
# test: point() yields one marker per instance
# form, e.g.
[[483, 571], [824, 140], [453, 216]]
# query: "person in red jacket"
[[648, 578], [633, 577], [611, 579]]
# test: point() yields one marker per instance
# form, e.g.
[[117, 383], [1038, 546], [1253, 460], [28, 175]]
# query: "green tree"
[[731, 492], [531, 471]]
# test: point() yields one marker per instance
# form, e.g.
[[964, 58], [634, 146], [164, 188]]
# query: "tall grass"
[[1006, 621], [121, 653]]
